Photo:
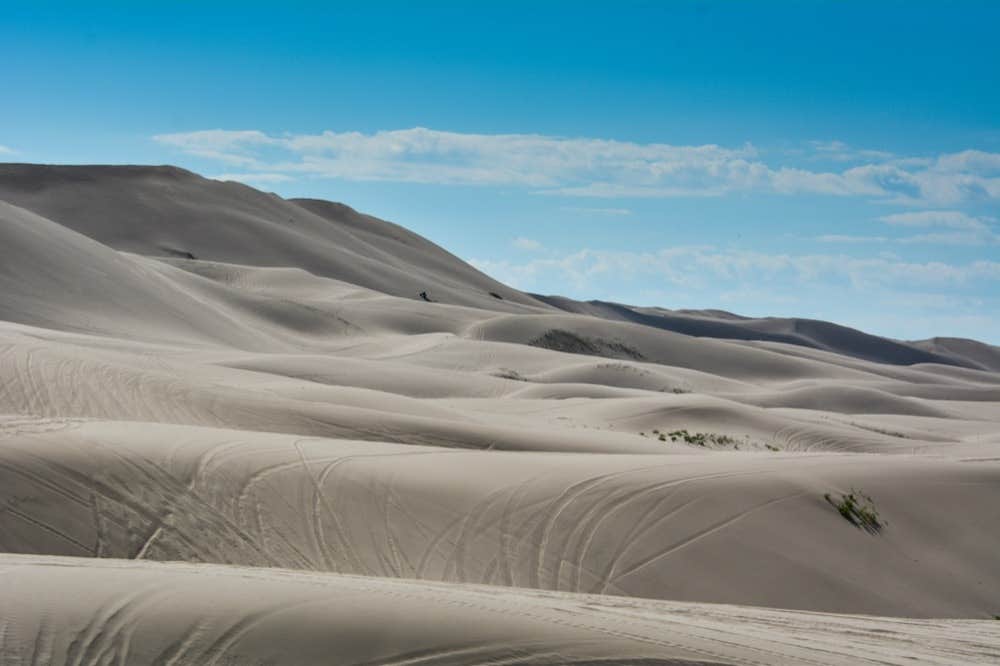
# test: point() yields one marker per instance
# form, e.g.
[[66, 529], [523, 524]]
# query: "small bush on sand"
[[702, 438], [507, 373], [858, 509]]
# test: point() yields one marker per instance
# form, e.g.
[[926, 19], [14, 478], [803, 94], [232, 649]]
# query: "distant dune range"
[[252, 391]]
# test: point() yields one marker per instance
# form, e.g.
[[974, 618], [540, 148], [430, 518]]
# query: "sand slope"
[[795, 331], [167, 211], [196, 372], [731, 527], [83, 611]]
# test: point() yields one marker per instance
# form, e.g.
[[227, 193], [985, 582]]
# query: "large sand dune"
[[80, 611], [338, 471]]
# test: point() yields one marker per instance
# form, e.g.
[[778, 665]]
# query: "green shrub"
[[702, 438], [859, 510], [713, 439]]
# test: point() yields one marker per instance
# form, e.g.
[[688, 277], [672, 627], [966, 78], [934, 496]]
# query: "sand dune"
[[252, 389], [725, 527], [182, 613], [167, 211], [804, 332], [975, 353]]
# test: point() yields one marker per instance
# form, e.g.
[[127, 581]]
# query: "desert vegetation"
[[858, 509], [573, 343]]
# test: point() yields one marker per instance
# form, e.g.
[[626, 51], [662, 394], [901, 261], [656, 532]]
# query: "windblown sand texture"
[[282, 454]]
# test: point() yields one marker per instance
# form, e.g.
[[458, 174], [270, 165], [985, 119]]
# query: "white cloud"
[[701, 267], [969, 160], [954, 238], [527, 244], [841, 152], [429, 156], [597, 211], [227, 146], [962, 229], [840, 238], [591, 167], [935, 218], [4, 150]]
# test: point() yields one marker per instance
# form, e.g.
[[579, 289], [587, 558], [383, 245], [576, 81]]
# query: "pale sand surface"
[[341, 472], [85, 611]]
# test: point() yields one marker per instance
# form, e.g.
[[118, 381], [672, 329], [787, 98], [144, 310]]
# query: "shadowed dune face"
[[170, 212], [803, 332], [467, 480], [983, 356]]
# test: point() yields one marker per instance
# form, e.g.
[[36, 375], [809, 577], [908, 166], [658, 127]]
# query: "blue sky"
[[836, 160]]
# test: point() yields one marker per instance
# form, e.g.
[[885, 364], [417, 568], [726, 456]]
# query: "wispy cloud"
[[839, 151], [694, 267], [841, 238], [936, 218], [585, 210], [946, 227], [957, 228], [955, 238], [528, 244], [232, 147], [592, 167], [430, 156], [5, 150]]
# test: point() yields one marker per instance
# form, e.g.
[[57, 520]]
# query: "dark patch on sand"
[[561, 340]]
